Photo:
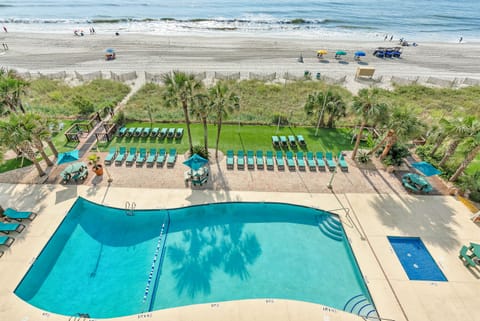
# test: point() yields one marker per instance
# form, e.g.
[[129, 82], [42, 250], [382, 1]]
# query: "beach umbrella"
[[426, 169], [196, 162], [322, 52], [67, 157], [109, 51], [341, 53], [360, 54]]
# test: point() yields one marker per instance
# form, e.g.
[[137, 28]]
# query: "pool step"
[[331, 226], [361, 306]]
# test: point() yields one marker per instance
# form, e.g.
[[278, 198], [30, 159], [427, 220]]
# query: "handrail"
[[347, 215], [376, 318]]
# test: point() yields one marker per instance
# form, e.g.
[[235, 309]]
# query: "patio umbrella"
[[67, 157], [360, 54], [341, 53], [196, 162], [426, 169]]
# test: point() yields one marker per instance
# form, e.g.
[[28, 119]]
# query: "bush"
[[119, 119], [474, 196], [282, 118], [396, 155], [200, 150], [363, 157], [84, 105]]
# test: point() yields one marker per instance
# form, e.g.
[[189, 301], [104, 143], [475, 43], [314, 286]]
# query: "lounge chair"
[[250, 160], [6, 240], [311, 161], [240, 160], [283, 141], [142, 155], [330, 162], [279, 160], [300, 161], [122, 131], [259, 159], [6, 228], [171, 133], [132, 155], [342, 162], [154, 132], [301, 140], [121, 156], [179, 133], [151, 157], [18, 215], [146, 132], [290, 161], [138, 131], [320, 160], [230, 159], [269, 160], [291, 141], [275, 141], [161, 157], [131, 131], [163, 133], [464, 256], [110, 156], [172, 157]]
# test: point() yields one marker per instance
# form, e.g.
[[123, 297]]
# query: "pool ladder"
[[129, 208]]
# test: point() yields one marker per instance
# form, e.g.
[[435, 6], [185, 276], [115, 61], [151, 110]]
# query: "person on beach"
[[460, 40], [391, 38], [385, 39], [5, 29]]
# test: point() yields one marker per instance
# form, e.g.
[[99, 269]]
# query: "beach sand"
[[49, 53]]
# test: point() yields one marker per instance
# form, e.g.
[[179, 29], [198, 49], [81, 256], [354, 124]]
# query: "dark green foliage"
[[200, 150], [396, 155]]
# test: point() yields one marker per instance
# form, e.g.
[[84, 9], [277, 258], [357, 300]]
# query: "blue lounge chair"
[[6, 228], [121, 156], [18, 215], [171, 132], [300, 161], [172, 157], [132, 155], [283, 141], [131, 131], [6, 240], [230, 159], [259, 159], [161, 157], [342, 162], [151, 157], [154, 132], [320, 160], [464, 256], [301, 140], [269, 160], [330, 162], [311, 161], [250, 160], [122, 131], [275, 141], [138, 131], [179, 133], [163, 133], [146, 132], [142, 155], [240, 160], [290, 161], [291, 141], [279, 160], [110, 156]]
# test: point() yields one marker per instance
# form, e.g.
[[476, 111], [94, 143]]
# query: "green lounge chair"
[[320, 160], [283, 141], [291, 141], [6, 240], [11, 227], [132, 155], [131, 131], [142, 155], [163, 133], [171, 132], [18, 215], [269, 160], [464, 256], [300, 161], [138, 131], [250, 161], [290, 161], [122, 131], [311, 161], [279, 160], [161, 157], [121, 156], [301, 141], [342, 162], [154, 132], [330, 162], [110, 156], [146, 132], [275, 141], [172, 157], [259, 159], [179, 133], [151, 157], [240, 160], [230, 159]]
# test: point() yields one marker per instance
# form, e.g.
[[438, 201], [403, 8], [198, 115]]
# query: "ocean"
[[414, 20]]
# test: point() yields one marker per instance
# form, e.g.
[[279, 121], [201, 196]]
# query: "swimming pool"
[[106, 263]]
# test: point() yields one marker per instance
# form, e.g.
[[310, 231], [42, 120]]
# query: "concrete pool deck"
[[441, 221]]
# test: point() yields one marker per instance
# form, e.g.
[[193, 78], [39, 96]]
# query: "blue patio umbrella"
[[426, 169], [360, 54], [196, 162], [67, 157]]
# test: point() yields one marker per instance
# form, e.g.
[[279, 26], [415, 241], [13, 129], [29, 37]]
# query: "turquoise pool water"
[[105, 263]]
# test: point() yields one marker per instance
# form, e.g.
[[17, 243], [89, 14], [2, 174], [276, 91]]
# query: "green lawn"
[[12, 164]]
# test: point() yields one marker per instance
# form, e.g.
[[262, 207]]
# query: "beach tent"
[[109, 54]]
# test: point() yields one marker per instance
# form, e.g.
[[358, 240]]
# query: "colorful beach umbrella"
[[322, 52], [341, 53], [360, 54], [67, 157], [196, 162]]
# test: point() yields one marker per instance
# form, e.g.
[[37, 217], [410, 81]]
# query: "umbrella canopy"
[[196, 162], [341, 53], [109, 50], [360, 54], [322, 52], [67, 157], [426, 169]]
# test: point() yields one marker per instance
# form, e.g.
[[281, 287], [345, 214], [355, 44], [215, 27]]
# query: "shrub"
[[119, 119], [200, 150], [396, 155], [282, 118], [363, 157]]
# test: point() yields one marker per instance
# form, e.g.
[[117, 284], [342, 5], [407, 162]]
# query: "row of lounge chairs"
[[382, 52], [151, 132], [284, 141], [300, 159], [8, 227], [141, 157]]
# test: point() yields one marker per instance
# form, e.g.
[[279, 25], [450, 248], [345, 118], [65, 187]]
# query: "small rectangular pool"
[[415, 259]]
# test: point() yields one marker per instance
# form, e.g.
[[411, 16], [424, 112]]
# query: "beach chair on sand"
[[269, 160], [240, 160], [300, 161], [154, 132], [230, 159], [121, 156], [131, 131], [291, 141], [171, 133], [151, 157], [172, 157], [342, 162], [142, 155], [279, 160], [163, 133], [320, 161], [18, 215], [110, 156], [132, 155], [290, 161], [161, 157], [275, 141], [6, 228], [330, 162], [311, 162], [250, 160]]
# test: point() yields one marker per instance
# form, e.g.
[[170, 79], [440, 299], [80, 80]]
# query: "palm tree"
[[180, 89], [365, 105], [337, 108], [35, 130], [11, 88], [316, 104], [437, 135], [474, 146], [461, 129], [222, 102], [201, 109]]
